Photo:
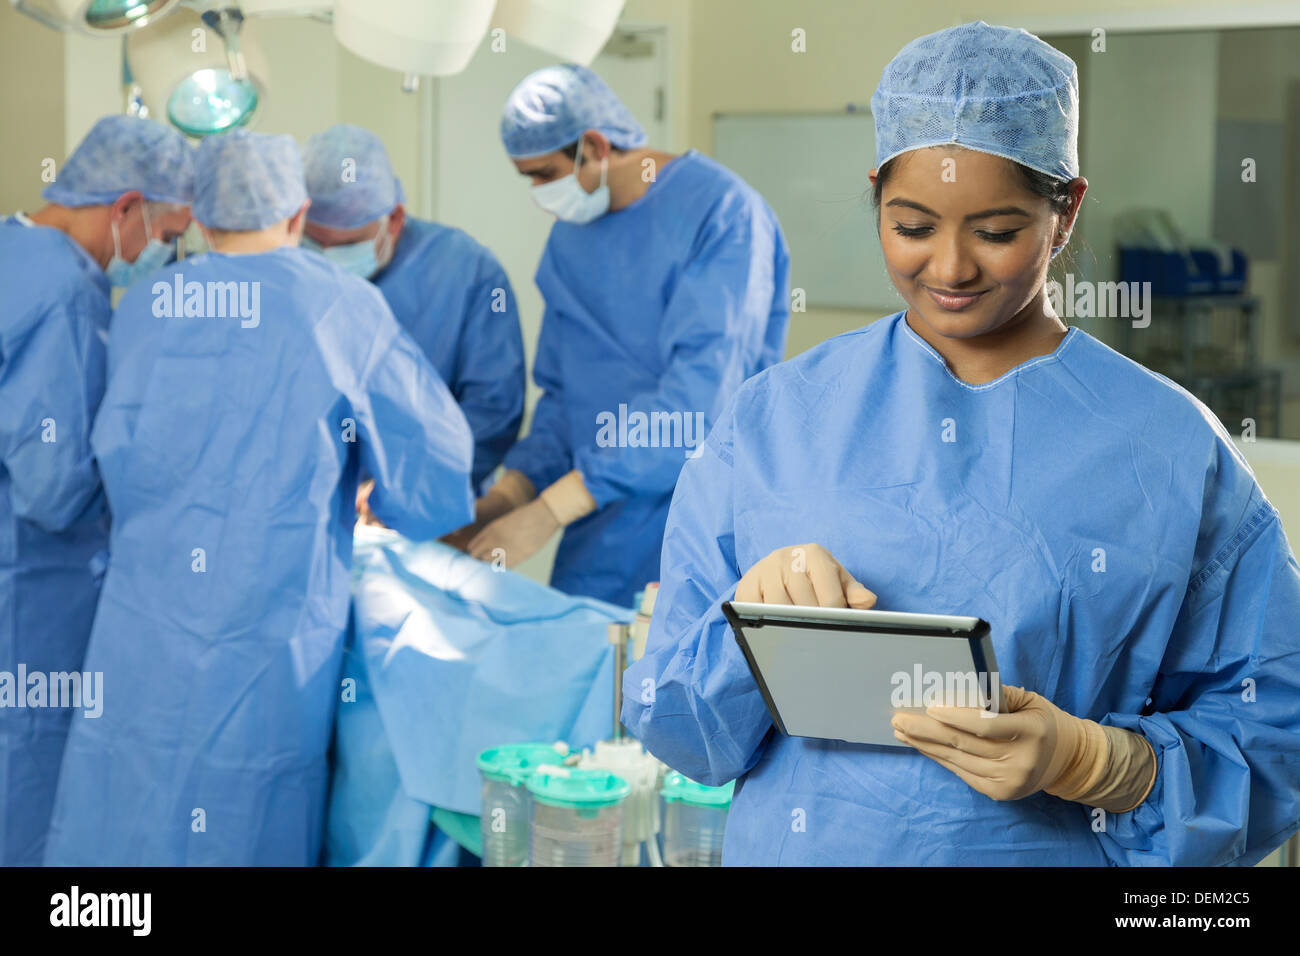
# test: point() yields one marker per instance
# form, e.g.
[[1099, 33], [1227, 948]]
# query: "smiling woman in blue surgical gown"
[[971, 455]]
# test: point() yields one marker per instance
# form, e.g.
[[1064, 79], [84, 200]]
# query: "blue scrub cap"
[[992, 89], [553, 107], [349, 178], [122, 153], [246, 181]]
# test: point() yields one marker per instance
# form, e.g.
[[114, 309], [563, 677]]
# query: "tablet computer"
[[841, 673]]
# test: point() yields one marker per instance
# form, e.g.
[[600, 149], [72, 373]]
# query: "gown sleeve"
[[1224, 713], [544, 454], [691, 699], [490, 377], [711, 337], [415, 441], [51, 383]]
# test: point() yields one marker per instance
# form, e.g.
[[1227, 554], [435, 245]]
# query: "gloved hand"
[[510, 491], [522, 532], [804, 574], [1034, 745]]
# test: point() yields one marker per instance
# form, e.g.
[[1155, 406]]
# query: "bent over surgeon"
[[246, 388], [665, 280], [114, 210], [445, 289], [972, 455]]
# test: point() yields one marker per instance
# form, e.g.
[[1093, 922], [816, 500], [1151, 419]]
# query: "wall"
[[31, 61]]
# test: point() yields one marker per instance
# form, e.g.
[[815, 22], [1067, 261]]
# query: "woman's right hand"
[[805, 574]]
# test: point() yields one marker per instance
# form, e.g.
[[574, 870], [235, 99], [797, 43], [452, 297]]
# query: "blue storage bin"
[[1170, 273], [1225, 283]]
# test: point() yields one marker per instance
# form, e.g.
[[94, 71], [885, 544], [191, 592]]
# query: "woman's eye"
[[910, 232], [998, 236]]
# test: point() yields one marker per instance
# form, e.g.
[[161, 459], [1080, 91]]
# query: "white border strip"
[[1227, 16]]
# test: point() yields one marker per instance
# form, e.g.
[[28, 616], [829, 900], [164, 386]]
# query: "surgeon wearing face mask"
[[448, 291], [665, 280], [973, 455], [118, 202], [230, 442]]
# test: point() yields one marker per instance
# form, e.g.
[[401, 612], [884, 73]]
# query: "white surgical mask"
[[363, 258], [154, 255], [566, 199]]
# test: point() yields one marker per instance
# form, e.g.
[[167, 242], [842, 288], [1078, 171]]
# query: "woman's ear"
[[1078, 186]]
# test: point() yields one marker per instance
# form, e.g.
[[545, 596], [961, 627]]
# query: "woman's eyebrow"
[[984, 214]]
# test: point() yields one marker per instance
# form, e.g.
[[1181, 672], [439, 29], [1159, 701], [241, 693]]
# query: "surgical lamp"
[[201, 85], [95, 17]]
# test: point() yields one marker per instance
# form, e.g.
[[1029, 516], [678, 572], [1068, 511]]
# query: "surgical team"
[[179, 489]]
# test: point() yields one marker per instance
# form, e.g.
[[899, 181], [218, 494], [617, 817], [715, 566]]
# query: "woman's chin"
[[955, 325]]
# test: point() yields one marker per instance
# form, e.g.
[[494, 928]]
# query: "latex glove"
[[510, 491], [521, 533], [804, 574], [364, 515], [1033, 746]]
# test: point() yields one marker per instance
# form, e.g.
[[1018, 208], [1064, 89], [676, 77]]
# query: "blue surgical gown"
[[53, 313], [1094, 513], [656, 311], [454, 299], [229, 450]]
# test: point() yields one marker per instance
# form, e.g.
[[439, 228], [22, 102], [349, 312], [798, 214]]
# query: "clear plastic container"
[[695, 821], [577, 817], [503, 821], [693, 835]]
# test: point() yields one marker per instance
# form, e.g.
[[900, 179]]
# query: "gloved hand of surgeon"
[[511, 491], [521, 532], [1033, 745]]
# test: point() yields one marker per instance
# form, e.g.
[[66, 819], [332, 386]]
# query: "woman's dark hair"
[[1055, 191]]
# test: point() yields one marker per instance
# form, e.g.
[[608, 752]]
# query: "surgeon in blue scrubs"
[[247, 387], [972, 455], [447, 291], [666, 285], [113, 212]]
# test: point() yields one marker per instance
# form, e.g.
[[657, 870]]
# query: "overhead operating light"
[[573, 30], [414, 37], [96, 17], [217, 87]]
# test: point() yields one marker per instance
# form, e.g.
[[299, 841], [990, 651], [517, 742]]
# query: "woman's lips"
[[954, 302]]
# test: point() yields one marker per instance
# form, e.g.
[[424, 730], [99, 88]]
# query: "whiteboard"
[[812, 170]]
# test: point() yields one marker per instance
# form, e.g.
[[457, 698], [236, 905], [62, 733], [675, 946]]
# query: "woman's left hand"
[[1033, 745], [1006, 756]]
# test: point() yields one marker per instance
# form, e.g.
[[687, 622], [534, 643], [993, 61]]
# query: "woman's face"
[[965, 242]]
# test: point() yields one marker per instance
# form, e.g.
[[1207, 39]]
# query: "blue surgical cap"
[[124, 153], [995, 90], [349, 178], [246, 181], [553, 107]]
